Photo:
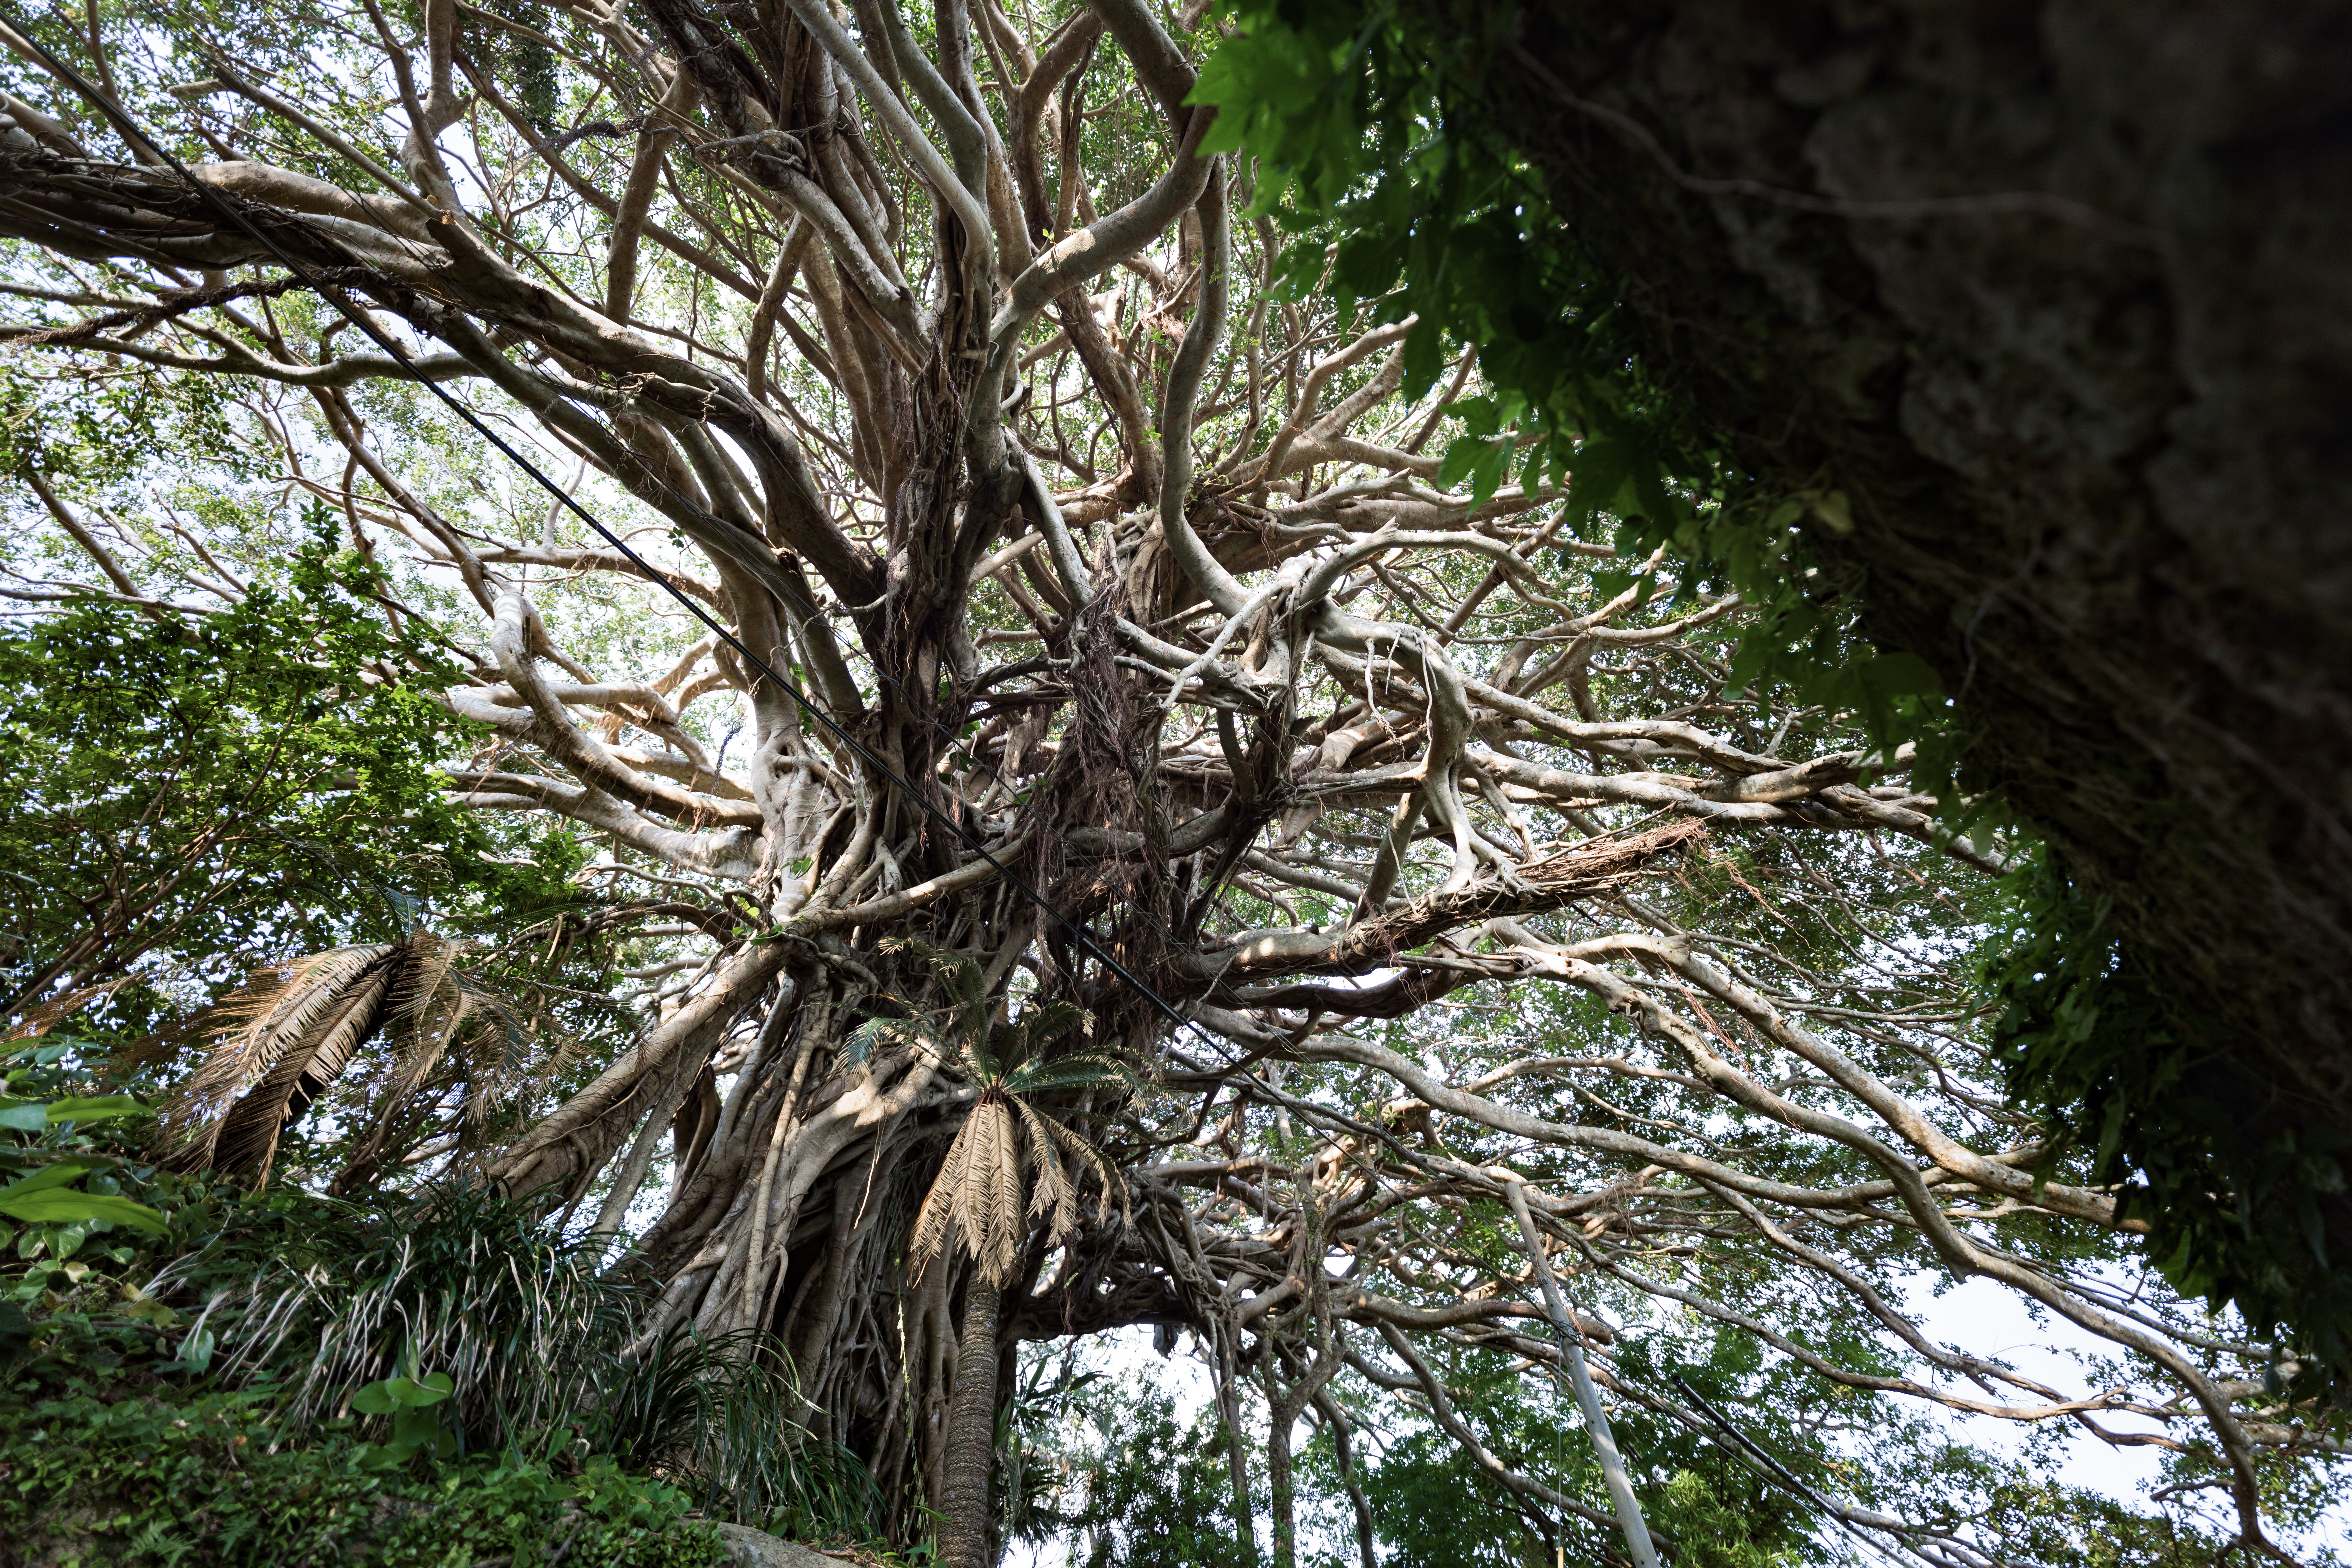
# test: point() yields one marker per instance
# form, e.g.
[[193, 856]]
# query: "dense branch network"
[[935, 360]]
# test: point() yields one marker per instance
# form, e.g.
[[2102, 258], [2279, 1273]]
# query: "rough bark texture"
[[964, 1535], [2097, 450]]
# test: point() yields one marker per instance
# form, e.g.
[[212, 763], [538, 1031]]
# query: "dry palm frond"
[[976, 1202], [436, 1010], [500, 1054], [247, 1138], [290, 1034], [1051, 1193], [976, 1199], [931, 1225], [1004, 1219], [252, 1027], [1106, 1177], [428, 1009], [422, 1012], [40, 1017], [276, 1044], [424, 979]]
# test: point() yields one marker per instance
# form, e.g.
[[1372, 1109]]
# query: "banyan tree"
[[1098, 663]]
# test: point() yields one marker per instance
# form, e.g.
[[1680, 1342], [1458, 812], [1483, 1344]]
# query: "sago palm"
[[294, 1029], [977, 1203]]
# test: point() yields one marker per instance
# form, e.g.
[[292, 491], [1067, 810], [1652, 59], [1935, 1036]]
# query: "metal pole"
[[1596, 1421]]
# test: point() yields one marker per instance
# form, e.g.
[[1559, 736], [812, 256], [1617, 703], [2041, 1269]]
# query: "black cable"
[[1774, 1470], [131, 130]]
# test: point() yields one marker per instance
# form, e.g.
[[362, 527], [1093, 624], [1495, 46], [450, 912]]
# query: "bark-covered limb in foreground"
[[1468, 871], [2108, 545]]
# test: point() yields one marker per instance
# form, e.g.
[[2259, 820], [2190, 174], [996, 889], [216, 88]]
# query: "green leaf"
[[375, 1399], [25, 1117], [1597, 475], [435, 1387], [54, 1208], [95, 1108], [1493, 467], [1461, 454], [1747, 661], [1481, 416], [48, 1176]]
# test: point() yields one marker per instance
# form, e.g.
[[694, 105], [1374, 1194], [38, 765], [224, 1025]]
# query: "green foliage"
[[1431, 1507], [1401, 197], [1718, 1531], [444, 1328], [1026, 1477], [1155, 1495], [322, 1297], [61, 1182], [138, 1481], [414, 1405], [518, 55], [44, 1199], [1716, 1506], [202, 790], [106, 430], [2120, 1065], [52, 1199], [718, 1412], [193, 786], [2056, 1524]]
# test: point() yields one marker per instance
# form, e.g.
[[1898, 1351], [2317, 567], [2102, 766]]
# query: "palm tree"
[[976, 1204], [294, 1029]]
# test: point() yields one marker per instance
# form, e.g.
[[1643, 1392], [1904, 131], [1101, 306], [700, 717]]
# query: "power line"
[[131, 130], [1774, 1470]]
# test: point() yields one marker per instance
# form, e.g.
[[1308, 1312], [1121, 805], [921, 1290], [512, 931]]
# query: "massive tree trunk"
[[2054, 291]]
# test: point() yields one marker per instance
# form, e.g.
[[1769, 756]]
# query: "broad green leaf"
[[48, 1176], [1487, 475], [435, 1387], [1596, 474], [95, 1108], [58, 1206], [196, 1352]]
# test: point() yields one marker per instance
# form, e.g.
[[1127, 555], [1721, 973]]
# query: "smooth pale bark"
[[1596, 1420]]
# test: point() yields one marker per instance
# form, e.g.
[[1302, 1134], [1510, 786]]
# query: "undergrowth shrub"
[[249, 1356], [167, 1482]]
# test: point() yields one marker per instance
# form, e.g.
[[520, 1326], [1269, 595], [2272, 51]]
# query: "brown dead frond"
[[42, 1017], [282, 1037], [291, 1033]]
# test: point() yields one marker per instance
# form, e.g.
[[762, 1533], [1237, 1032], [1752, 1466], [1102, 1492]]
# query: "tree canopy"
[[1070, 608], [1974, 391]]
